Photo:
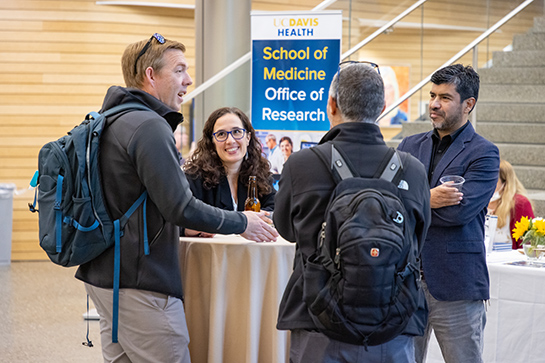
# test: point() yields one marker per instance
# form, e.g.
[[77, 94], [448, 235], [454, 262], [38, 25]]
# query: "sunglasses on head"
[[159, 38]]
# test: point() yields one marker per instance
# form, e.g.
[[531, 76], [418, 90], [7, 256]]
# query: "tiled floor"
[[41, 307]]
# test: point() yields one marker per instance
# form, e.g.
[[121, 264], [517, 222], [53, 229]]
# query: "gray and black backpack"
[[362, 285]]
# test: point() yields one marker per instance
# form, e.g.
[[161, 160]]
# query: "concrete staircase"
[[511, 110]]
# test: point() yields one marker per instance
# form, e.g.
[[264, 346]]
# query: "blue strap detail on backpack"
[[79, 227], [34, 184], [117, 265], [93, 114], [34, 180], [118, 226], [58, 213], [146, 243]]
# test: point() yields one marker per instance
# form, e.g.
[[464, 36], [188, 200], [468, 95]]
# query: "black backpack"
[[74, 224], [363, 283]]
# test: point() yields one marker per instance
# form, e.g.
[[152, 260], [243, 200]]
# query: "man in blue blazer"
[[455, 276]]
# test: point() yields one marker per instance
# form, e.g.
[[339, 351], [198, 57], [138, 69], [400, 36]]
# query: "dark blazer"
[[220, 195], [454, 257]]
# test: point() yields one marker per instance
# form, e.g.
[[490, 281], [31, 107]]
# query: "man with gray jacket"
[[138, 153]]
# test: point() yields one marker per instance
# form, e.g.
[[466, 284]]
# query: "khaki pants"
[[152, 326]]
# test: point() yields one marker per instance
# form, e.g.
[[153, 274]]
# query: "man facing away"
[[454, 257], [353, 105], [138, 152]]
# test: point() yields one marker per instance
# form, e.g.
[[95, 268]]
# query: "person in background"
[[228, 153], [275, 155], [455, 274], [510, 203], [286, 148], [138, 153], [391, 93], [179, 145], [356, 99]]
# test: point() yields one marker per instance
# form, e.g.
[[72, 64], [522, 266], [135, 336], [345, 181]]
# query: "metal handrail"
[[382, 29], [460, 54], [246, 57]]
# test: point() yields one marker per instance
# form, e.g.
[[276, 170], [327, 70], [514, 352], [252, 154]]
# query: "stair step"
[[521, 154], [512, 93], [529, 41], [520, 58], [510, 112], [529, 75], [415, 127], [531, 133], [538, 200], [532, 177], [497, 132], [539, 25]]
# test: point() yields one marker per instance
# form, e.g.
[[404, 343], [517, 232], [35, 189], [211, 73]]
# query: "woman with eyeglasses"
[[226, 156]]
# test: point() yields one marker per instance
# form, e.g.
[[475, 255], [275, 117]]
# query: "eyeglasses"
[[223, 135], [347, 63], [159, 38]]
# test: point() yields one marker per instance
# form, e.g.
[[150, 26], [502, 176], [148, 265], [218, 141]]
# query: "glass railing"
[[425, 39], [421, 42]]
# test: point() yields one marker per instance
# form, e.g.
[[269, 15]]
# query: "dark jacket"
[[220, 195], [304, 191], [138, 153], [454, 256]]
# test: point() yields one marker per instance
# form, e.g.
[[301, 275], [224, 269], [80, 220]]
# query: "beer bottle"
[[252, 202]]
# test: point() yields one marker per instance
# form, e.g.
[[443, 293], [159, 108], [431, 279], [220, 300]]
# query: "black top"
[[440, 146], [220, 195]]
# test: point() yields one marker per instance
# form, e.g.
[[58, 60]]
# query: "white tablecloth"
[[232, 292], [515, 325]]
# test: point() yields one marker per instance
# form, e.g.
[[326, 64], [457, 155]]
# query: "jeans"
[[315, 347], [458, 327]]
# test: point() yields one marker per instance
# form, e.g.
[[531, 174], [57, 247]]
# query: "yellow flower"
[[539, 225], [520, 228]]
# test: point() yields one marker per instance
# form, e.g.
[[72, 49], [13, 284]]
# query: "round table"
[[232, 289]]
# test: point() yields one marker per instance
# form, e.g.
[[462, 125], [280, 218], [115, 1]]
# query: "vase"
[[530, 252], [539, 251]]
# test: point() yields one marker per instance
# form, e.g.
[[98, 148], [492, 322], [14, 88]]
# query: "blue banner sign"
[[294, 58]]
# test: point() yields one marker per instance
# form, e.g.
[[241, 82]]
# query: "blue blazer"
[[454, 256]]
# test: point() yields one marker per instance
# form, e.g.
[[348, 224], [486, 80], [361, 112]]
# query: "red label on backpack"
[[374, 252]]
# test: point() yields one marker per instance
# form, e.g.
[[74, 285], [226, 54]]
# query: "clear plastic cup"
[[453, 180]]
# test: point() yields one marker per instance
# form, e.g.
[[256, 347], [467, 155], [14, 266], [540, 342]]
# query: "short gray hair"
[[360, 93]]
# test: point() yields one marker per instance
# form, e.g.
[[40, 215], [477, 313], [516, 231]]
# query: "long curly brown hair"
[[205, 163]]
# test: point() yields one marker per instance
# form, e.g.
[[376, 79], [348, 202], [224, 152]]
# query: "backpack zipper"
[[88, 163], [66, 163]]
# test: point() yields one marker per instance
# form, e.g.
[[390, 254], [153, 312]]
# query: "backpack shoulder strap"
[[389, 169], [335, 163], [393, 168], [130, 106]]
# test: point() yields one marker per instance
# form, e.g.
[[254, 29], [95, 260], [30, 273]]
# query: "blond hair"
[[511, 186], [153, 57]]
